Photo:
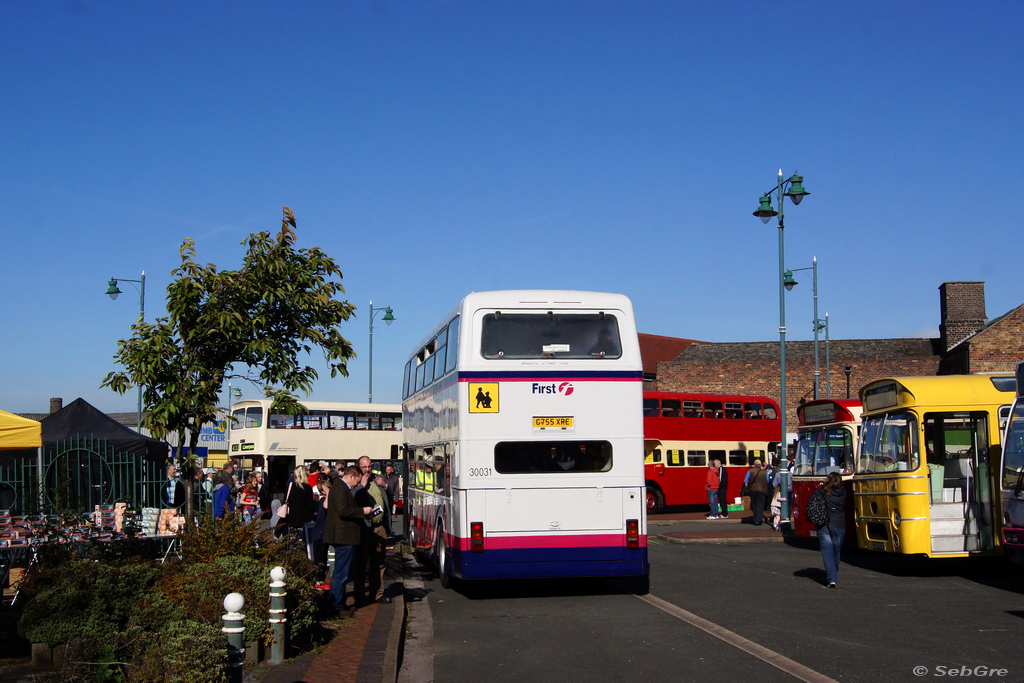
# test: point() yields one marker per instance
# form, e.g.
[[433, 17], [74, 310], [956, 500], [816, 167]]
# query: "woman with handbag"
[[831, 533], [298, 505]]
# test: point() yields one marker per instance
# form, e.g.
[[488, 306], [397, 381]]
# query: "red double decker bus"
[[829, 434], [684, 432]]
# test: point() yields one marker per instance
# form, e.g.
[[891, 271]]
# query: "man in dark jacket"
[[343, 531], [723, 488]]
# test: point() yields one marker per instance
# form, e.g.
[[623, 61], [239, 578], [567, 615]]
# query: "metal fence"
[[81, 472]]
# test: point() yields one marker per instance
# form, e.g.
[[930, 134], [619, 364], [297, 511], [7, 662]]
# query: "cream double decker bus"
[[927, 473], [524, 438], [262, 436]]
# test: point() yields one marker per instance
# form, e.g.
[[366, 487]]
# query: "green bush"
[[124, 616]]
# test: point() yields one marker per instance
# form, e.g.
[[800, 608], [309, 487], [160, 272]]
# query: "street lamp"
[[794, 189], [112, 292], [819, 324], [388, 318], [232, 394], [848, 370]]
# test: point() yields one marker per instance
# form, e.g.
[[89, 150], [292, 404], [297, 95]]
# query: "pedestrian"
[[392, 485], [223, 501], [776, 508], [250, 499], [263, 487], [371, 555], [759, 484], [226, 476], [316, 535], [723, 488], [300, 504], [830, 534], [173, 491], [711, 484], [343, 532]]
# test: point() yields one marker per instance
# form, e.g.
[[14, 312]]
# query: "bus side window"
[[752, 410], [692, 409], [713, 409], [696, 458], [671, 407], [734, 411], [770, 413], [738, 458], [673, 458], [651, 407]]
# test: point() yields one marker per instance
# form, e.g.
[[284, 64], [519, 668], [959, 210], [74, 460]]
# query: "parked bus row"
[[934, 465]]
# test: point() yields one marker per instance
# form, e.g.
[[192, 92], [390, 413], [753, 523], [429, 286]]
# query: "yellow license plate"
[[552, 423]]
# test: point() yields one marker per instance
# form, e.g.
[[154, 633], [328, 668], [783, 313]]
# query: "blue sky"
[[438, 148]]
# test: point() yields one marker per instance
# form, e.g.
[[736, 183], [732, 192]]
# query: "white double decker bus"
[[523, 423]]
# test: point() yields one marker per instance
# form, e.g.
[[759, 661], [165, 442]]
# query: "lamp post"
[[819, 324], [794, 189], [232, 394], [828, 361], [848, 370], [112, 292], [388, 318]]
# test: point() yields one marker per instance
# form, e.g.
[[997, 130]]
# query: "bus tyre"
[[640, 585], [441, 557], [655, 500]]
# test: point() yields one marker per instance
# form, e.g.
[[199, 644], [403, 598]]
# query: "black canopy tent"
[[87, 458]]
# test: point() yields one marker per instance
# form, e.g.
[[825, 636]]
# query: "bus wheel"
[[441, 553], [655, 500]]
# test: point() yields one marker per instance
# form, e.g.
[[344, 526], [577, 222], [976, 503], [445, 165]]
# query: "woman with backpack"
[[831, 532]]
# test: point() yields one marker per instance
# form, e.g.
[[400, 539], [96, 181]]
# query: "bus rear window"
[[526, 457], [550, 335]]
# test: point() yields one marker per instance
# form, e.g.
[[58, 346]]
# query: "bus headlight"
[[896, 519]]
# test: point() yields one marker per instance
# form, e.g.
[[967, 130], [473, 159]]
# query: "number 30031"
[[479, 471]]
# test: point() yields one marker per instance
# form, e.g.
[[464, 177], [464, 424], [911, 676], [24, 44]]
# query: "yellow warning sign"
[[483, 397]]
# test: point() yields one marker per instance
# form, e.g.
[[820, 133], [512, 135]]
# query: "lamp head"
[[796, 190], [388, 317], [112, 290], [765, 211], [788, 282]]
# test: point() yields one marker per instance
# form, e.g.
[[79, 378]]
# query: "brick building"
[[968, 343]]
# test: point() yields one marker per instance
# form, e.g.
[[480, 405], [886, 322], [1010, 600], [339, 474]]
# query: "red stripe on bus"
[[560, 541]]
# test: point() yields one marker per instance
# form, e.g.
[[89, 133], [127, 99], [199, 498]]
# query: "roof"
[[654, 348]]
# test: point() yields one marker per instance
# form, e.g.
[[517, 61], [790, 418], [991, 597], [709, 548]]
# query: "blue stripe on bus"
[[528, 375], [548, 563]]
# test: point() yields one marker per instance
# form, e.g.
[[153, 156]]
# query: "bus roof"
[[713, 397], [530, 299], [828, 410], [326, 405], [942, 390]]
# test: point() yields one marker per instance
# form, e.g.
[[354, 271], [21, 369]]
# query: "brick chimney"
[[56, 404], [963, 311]]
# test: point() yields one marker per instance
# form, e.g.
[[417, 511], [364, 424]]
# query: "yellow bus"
[[927, 477]]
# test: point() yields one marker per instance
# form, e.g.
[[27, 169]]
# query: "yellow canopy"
[[19, 432]]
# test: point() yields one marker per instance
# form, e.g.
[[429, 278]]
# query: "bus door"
[[959, 471]]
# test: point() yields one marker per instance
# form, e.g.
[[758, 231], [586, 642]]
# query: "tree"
[[257, 323]]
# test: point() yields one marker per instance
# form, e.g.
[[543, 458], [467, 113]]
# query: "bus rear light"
[[632, 534], [476, 537]]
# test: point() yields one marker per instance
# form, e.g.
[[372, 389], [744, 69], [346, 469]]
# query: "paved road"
[[736, 612]]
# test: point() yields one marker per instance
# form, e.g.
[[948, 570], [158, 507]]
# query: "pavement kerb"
[[686, 540], [397, 631]]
